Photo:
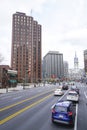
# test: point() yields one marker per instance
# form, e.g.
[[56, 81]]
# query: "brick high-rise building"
[[26, 47]]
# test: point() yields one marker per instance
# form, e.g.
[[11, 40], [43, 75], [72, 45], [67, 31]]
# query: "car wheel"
[[72, 125], [53, 121], [78, 101]]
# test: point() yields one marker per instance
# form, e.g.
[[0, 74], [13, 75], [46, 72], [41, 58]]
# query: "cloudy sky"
[[64, 26]]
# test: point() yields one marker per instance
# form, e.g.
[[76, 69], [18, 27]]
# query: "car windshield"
[[60, 109], [73, 94], [74, 87]]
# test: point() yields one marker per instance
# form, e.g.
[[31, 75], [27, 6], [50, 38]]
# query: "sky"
[[64, 26]]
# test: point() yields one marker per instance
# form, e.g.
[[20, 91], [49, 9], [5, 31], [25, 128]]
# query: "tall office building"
[[26, 47], [53, 65], [76, 62]]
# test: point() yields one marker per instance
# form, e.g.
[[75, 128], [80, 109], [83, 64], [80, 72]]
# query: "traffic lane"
[[35, 118], [82, 110], [9, 110], [75, 107], [43, 88], [21, 119], [20, 98], [12, 93], [20, 95], [20, 111], [6, 112]]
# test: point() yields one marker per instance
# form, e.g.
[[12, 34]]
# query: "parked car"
[[63, 112], [58, 92], [73, 96]]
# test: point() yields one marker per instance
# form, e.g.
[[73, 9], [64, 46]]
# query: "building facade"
[[1, 73], [76, 75], [26, 47], [85, 61], [53, 65]]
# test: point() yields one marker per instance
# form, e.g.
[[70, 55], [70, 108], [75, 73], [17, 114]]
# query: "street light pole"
[[6, 80]]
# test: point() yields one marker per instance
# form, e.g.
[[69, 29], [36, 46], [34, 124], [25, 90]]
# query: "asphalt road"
[[82, 109], [30, 109]]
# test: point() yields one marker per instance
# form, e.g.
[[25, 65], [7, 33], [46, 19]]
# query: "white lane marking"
[[63, 95], [17, 98], [75, 126], [85, 94], [60, 98]]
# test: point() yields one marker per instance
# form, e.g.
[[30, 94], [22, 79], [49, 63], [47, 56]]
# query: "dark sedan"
[[65, 87]]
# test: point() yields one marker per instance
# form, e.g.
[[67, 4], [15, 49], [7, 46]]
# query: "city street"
[[30, 109], [43, 65]]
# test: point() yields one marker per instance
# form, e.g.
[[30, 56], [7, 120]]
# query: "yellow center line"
[[22, 110], [10, 106]]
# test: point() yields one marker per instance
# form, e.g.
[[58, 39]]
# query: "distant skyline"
[[64, 26]]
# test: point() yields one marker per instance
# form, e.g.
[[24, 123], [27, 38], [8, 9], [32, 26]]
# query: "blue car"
[[63, 112]]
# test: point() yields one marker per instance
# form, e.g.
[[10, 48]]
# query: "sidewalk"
[[19, 87], [3, 90]]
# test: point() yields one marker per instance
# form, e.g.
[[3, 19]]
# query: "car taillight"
[[70, 113], [53, 110]]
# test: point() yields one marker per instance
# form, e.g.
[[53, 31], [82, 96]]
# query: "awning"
[[13, 81]]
